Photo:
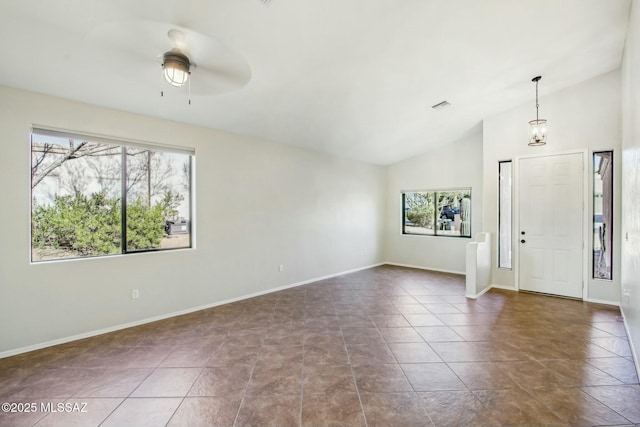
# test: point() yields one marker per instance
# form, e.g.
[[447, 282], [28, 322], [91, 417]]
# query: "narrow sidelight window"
[[602, 214], [504, 214]]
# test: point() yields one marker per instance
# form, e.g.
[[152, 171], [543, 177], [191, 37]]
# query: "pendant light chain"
[[161, 82]]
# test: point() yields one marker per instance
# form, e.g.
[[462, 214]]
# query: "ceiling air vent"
[[441, 105]]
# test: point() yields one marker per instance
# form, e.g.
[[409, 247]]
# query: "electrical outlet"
[[135, 294]]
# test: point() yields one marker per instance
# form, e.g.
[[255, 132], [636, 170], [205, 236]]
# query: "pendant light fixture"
[[538, 126]]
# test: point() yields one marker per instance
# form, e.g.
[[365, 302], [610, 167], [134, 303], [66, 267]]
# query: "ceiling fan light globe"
[[176, 69], [175, 76]]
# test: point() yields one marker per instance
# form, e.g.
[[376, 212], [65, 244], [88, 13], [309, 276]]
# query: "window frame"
[[435, 212], [123, 144], [611, 167]]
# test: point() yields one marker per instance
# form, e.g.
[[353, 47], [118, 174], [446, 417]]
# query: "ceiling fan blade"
[[208, 81]]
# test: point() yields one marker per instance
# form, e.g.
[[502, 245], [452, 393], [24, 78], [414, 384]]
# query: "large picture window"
[[437, 213], [91, 196]]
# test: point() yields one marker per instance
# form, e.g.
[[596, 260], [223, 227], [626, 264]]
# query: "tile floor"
[[387, 346]]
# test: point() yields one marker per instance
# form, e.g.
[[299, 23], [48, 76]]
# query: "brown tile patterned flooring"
[[387, 346]]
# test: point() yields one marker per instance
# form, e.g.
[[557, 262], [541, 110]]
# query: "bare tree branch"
[[37, 161], [82, 149]]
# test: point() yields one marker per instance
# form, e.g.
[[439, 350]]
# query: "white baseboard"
[[488, 288], [425, 268], [593, 300], [90, 334], [601, 301], [634, 353], [506, 288], [479, 294]]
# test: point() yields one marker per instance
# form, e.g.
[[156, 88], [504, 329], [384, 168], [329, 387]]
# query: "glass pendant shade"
[[538, 132], [175, 68]]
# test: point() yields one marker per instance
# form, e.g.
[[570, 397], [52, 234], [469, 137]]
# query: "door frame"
[[585, 215]]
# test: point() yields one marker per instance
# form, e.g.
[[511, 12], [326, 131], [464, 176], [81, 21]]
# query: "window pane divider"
[[123, 200]]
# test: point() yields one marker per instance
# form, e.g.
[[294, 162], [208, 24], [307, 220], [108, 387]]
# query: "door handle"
[[522, 241]]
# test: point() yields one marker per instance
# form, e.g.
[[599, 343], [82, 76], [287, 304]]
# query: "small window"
[[437, 213], [504, 216], [95, 197], [602, 214]]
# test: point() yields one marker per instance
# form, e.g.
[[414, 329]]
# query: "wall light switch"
[[135, 294]]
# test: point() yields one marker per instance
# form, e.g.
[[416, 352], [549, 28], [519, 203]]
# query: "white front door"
[[550, 238]]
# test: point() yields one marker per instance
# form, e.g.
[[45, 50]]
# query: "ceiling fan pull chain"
[[189, 91], [161, 79]]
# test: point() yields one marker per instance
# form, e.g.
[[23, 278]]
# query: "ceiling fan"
[[185, 56]]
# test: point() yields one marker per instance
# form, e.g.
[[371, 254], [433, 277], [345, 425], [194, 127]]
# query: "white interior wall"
[[584, 116], [455, 165], [630, 303], [258, 205]]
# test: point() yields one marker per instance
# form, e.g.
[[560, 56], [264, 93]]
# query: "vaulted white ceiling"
[[352, 78]]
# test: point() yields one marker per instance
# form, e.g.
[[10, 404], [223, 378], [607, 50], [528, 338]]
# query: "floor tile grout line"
[[420, 402], [404, 374], [175, 411], [585, 361], [302, 373], [112, 412], [530, 393], [353, 376], [129, 395], [604, 403], [246, 388]]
